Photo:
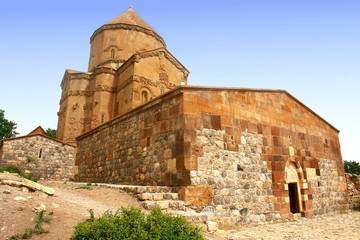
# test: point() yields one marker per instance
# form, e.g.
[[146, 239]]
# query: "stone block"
[[196, 196], [144, 196], [36, 186], [163, 204], [171, 196], [157, 196], [211, 226]]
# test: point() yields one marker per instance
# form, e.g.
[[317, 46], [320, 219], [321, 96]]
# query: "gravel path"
[[336, 226]]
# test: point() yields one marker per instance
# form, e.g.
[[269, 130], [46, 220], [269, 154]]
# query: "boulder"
[[37, 187], [10, 176], [12, 183], [196, 196], [19, 198]]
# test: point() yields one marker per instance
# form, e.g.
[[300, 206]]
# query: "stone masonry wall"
[[53, 160], [240, 179], [293, 137], [141, 147], [353, 187], [326, 195]]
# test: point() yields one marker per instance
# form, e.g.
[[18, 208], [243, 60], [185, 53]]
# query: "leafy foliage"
[[26, 234], [39, 219], [14, 169], [38, 229], [7, 128], [356, 206], [30, 159], [132, 223], [51, 132], [352, 167]]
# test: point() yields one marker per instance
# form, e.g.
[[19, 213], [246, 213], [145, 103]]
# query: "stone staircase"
[[165, 197]]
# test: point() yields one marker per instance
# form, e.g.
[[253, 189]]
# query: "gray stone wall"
[[55, 162], [326, 195], [240, 179], [138, 148]]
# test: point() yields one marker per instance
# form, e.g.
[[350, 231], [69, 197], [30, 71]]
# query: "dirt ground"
[[69, 205]]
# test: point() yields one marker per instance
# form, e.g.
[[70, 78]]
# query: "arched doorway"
[[293, 175]]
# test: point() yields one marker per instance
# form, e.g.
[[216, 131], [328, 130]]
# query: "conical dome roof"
[[132, 18], [129, 20]]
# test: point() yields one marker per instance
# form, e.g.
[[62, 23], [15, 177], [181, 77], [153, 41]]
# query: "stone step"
[[165, 204], [157, 196], [153, 189], [135, 189]]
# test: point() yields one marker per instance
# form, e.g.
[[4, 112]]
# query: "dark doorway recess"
[[294, 198]]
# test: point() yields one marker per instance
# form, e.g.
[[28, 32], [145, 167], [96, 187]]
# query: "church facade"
[[136, 121], [128, 66]]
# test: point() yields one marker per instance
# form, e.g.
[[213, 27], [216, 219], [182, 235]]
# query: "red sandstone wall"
[[290, 132]]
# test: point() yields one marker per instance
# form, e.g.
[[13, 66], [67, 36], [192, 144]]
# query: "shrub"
[[30, 159], [352, 167], [10, 169], [357, 205], [132, 223], [15, 169], [39, 219]]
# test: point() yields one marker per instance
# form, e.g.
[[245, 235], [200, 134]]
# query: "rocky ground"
[[337, 226], [70, 205]]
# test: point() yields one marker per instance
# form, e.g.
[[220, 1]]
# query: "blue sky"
[[309, 48]]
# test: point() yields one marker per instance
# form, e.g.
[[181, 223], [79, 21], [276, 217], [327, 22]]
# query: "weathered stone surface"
[[10, 176], [50, 159], [353, 187], [39, 207], [157, 196], [19, 198], [144, 196], [196, 196], [12, 183], [37, 187], [211, 226], [7, 191]]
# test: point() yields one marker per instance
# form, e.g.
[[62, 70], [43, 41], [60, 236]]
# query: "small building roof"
[[38, 131], [132, 18]]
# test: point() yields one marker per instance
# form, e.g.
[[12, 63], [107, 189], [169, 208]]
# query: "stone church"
[[135, 121]]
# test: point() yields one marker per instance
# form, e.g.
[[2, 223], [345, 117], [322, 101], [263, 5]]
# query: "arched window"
[[112, 55], [162, 90], [144, 97]]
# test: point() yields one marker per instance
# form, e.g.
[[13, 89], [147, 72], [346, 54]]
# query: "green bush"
[[10, 169], [30, 159], [352, 167], [132, 223], [15, 169], [357, 205]]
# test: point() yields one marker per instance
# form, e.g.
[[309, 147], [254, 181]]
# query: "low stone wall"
[[41, 156], [353, 187]]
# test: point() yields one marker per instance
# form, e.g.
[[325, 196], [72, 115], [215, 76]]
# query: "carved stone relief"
[[128, 27], [88, 93], [163, 77], [136, 96]]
